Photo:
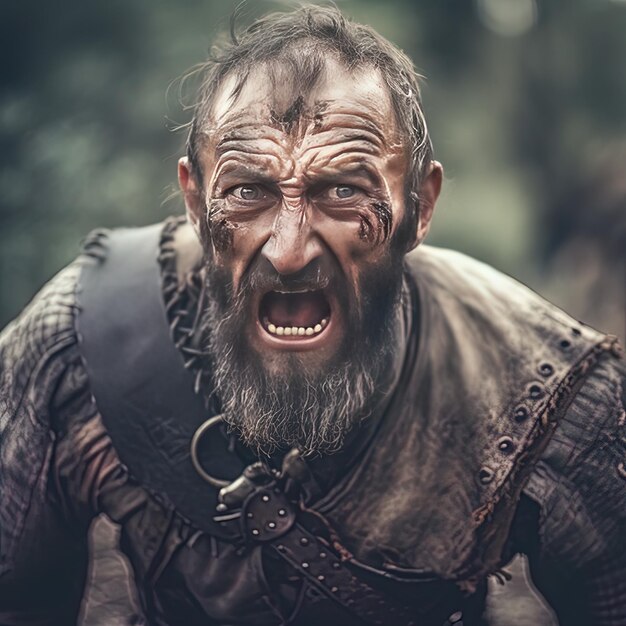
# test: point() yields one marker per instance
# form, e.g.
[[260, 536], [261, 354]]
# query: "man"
[[295, 412]]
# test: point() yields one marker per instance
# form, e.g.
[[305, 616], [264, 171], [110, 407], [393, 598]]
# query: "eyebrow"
[[247, 172], [358, 170]]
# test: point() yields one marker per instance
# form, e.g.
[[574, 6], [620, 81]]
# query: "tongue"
[[295, 309]]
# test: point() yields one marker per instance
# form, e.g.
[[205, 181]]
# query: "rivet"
[[305, 565], [334, 589], [506, 445], [271, 524], [485, 475], [265, 498], [221, 507], [336, 565], [520, 414], [281, 548], [255, 531], [321, 577], [304, 541], [322, 555], [249, 515], [565, 344], [282, 512], [545, 369], [535, 391]]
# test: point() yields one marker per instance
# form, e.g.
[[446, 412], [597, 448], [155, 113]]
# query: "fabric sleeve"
[[579, 560], [43, 550]]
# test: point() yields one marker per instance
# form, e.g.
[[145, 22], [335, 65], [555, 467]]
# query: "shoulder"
[[36, 345], [580, 480]]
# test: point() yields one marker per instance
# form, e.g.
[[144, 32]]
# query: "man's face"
[[299, 212]]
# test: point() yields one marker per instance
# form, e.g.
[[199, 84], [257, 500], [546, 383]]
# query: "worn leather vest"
[[420, 512]]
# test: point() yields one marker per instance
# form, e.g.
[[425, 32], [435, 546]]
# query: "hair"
[[300, 41]]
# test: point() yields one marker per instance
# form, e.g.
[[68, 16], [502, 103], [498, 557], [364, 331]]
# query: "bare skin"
[[318, 178]]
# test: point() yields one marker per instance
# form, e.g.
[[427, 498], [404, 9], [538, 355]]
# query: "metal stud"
[[322, 555], [545, 369], [520, 414], [265, 498], [485, 475], [271, 524], [455, 617], [305, 565], [221, 508], [321, 578], [336, 565], [282, 512], [506, 445], [565, 344], [255, 531], [334, 589], [304, 541], [535, 391]]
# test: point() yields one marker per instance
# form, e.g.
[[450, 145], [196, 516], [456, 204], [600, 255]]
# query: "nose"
[[293, 243]]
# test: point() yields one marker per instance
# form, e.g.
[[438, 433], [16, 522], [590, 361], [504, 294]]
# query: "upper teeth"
[[300, 331]]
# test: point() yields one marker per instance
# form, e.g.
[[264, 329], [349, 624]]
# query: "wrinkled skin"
[[315, 180]]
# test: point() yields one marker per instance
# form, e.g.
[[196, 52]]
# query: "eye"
[[343, 191], [247, 192]]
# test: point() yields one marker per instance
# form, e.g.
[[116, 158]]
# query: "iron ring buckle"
[[195, 440]]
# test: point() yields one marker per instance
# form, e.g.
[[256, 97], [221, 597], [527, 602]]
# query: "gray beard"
[[310, 410]]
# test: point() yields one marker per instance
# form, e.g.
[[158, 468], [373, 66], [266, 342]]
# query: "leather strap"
[[142, 389]]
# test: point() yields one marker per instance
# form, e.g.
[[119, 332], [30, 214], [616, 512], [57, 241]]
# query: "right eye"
[[248, 193]]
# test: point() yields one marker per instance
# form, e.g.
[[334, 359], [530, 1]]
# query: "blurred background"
[[526, 103]]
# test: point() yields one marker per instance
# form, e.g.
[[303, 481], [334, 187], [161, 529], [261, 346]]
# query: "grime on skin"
[[297, 180]]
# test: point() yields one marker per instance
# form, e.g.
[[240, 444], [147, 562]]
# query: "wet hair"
[[295, 46]]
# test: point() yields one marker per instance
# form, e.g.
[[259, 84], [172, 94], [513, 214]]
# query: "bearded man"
[[296, 413]]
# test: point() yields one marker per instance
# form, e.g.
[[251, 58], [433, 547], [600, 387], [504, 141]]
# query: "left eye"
[[247, 192], [343, 191]]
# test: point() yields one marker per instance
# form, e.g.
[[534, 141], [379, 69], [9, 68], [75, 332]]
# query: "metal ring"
[[195, 440]]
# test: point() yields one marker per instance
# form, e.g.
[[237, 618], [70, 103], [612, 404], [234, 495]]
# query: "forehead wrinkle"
[[320, 159], [349, 120]]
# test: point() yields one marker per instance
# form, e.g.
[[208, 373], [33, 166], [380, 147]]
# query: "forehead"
[[267, 97]]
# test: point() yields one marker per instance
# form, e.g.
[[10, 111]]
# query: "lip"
[[299, 343]]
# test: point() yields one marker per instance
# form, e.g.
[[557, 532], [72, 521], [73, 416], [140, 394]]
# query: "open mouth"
[[295, 314]]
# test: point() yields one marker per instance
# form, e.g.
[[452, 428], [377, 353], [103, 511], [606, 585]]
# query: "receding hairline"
[[232, 85]]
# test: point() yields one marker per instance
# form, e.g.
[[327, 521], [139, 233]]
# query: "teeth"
[[298, 331]]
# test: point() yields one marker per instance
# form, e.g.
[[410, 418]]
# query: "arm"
[[579, 560], [43, 553]]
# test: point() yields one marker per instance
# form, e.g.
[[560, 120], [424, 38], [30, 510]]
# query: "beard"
[[310, 406]]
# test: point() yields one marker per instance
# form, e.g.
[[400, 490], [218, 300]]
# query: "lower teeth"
[[299, 331]]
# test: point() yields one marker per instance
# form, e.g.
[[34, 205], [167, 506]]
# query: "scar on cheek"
[[375, 223], [220, 229]]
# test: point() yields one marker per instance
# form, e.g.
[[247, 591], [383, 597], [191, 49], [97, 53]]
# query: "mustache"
[[262, 277]]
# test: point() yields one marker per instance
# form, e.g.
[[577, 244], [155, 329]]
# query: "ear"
[[428, 194], [192, 194]]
